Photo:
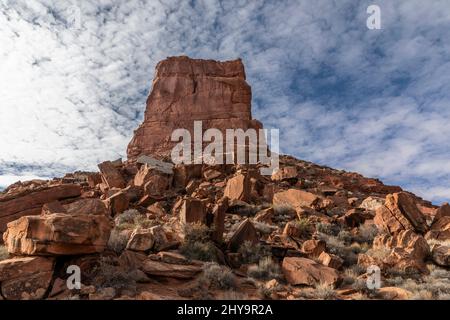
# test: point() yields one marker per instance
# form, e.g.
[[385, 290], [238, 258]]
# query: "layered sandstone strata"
[[187, 90]]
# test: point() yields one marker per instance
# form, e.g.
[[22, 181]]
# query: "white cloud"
[[344, 96]]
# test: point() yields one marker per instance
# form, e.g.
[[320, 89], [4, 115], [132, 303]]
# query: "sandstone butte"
[[187, 89], [145, 228]]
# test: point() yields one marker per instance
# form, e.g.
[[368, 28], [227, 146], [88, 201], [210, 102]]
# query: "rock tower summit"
[[187, 90]]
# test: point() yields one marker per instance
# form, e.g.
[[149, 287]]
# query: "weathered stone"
[[211, 174], [183, 174], [157, 209], [53, 207], [302, 271], [185, 90], [295, 198], [164, 269], [354, 217], [408, 250], [157, 184], [158, 165], [25, 278], [265, 215], [400, 212], [219, 212], [118, 203], [94, 179], [245, 232], [141, 240], [413, 243], [192, 211], [393, 293], [292, 229], [313, 248], [160, 238], [330, 260], [238, 188], [111, 175], [57, 234], [372, 203], [440, 230], [86, 206], [441, 255], [30, 203], [442, 211], [285, 174]]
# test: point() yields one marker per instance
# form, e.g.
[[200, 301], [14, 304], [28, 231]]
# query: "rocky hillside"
[[147, 229]]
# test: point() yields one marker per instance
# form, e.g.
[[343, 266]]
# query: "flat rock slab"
[[302, 271], [57, 234], [26, 278], [31, 203], [164, 269]]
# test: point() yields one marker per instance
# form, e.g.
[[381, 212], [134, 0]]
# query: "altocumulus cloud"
[[373, 101]]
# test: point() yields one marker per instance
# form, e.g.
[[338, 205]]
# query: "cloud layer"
[[373, 101]]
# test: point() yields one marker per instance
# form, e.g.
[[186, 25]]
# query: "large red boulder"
[[30, 201], [185, 90]]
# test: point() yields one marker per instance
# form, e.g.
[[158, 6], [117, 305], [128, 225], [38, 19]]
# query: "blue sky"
[[371, 101]]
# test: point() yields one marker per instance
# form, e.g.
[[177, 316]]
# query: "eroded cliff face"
[[187, 90]]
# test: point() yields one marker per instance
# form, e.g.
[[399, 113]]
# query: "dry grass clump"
[[217, 276], [252, 253], [266, 269], [108, 273], [132, 219], [3, 253], [283, 209], [197, 244]]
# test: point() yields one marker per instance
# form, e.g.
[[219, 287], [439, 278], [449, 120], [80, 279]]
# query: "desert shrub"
[[304, 226], [194, 232], [283, 209], [409, 273], [117, 241], [264, 292], [351, 274], [3, 253], [132, 219], [218, 276], [233, 295], [339, 248], [360, 285], [345, 236], [327, 228], [248, 210], [252, 253], [378, 254], [197, 244], [436, 285], [266, 269], [263, 228], [366, 233], [203, 251], [108, 273], [357, 248], [324, 291], [421, 295]]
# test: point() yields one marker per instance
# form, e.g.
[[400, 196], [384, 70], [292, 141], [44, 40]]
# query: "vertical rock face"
[[187, 90]]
